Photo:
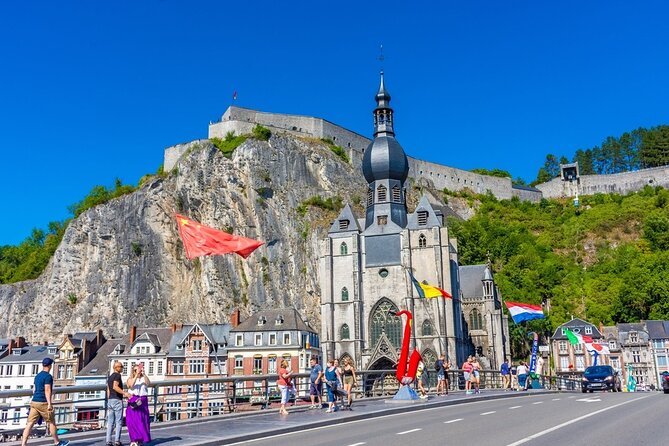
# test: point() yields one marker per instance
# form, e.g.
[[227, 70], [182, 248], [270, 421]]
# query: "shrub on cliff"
[[341, 153], [261, 133], [228, 145]]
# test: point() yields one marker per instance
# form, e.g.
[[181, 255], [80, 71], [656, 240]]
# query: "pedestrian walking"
[[467, 373], [521, 372], [350, 380], [441, 366], [41, 406], [137, 417], [506, 374], [476, 375], [115, 395], [316, 383], [285, 383], [421, 375], [514, 377], [333, 383]]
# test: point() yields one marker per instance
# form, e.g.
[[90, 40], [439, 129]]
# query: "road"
[[537, 420]]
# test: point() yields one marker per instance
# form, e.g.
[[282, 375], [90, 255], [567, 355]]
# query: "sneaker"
[[468, 392], [118, 443], [109, 443], [328, 411], [63, 443]]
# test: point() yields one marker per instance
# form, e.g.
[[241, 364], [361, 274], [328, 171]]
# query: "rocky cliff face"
[[123, 263]]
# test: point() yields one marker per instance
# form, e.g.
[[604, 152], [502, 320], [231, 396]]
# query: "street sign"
[[544, 348]]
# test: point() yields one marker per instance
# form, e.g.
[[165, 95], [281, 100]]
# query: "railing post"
[[197, 400], [265, 404], [155, 403]]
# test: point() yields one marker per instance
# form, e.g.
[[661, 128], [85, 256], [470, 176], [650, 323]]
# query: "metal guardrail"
[[190, 398]]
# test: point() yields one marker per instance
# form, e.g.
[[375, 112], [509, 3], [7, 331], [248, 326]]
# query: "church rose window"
[[383, 273], [382, 321]]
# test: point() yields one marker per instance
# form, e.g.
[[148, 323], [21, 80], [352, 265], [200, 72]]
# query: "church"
[[366, 263]]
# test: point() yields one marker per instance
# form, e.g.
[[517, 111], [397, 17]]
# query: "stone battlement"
[[242, 120]]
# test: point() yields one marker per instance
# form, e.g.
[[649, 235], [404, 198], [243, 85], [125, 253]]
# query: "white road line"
[[515, 407], [538, 402], [572, 397], [488, 413], [452, 421], [357, 444], [409, 431], [567, 423], [555, 399]]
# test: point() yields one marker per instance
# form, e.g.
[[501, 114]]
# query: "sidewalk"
[[238, 427]]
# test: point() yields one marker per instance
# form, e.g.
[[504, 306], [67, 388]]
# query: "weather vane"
[[381, 58]]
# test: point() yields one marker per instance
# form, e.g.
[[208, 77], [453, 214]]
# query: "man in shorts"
[[41, 406], [441, 367], [316, 383], [467, 368]]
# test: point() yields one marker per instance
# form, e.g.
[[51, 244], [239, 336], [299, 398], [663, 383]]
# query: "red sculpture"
[[406, 370]]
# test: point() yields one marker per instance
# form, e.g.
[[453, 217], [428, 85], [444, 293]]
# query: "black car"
[[665, 381], [600, 377]]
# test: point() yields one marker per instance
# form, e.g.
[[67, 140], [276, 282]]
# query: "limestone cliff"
[[122, 263]]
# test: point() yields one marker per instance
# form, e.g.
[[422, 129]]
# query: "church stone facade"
[[365, 265]]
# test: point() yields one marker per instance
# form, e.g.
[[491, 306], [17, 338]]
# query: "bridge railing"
[[84, 407]]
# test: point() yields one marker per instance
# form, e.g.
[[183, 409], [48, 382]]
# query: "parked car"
[[600, 377], [665, 381]]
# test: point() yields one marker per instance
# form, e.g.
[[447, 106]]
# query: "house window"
[[635, 356], [612, 345], [279, 320], [286, 339], [343, 225], [634, 337], [662, 361], [239, 362], [3, 417], [272, 339], [422, 241], [475, 320], [563, 346], [17, 416], [564, 363], [580, 362], [257, 339], [427, 328], [196, 366], [344, 294], [151, 367], [2, 370], [588, 330], [239, 340], [177, 367], [35, 370], [578, 348], [422, 218], [343, 249], [262, 321], [160, 368], [382, 220], [22, 370], [658, 343], [344, 332], [381, 193], [271, 364], [10, 370], [397, 194], [68, 371], [197, 345], [257, 365]]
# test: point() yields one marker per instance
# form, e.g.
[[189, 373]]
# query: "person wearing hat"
[[41, 406]]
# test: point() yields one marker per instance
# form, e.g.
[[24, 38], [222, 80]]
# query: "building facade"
[[574, 359], [365, 265], [637, 353]]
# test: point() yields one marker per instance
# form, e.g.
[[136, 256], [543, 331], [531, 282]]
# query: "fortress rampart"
[[242, 120]]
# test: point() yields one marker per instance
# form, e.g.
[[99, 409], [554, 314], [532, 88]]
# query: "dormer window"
[[180, 346], [279, 320], [343, 225], [17, 352], [382, 193], [588, 330], [51, 350], [397, 194], [262, 320], [422, 218]]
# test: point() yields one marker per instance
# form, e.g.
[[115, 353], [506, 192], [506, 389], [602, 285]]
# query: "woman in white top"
[[137, 417]]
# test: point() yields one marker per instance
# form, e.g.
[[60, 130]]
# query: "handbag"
[[134, 401]]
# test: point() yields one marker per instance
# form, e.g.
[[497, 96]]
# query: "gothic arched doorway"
[[384, 382]]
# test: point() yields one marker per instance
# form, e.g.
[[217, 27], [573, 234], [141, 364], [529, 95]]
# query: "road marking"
[[572, 397], [357, 444], [567, 423], [515, 407], [555, 399], [488, 413], [538, 402], [589, 400], [452, 421], [409, 431]]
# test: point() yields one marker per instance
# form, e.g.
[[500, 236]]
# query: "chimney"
[[133, 334], [174, 328], [11, 346], [20, 342], [601, 328], [99, 338], [235, 318]]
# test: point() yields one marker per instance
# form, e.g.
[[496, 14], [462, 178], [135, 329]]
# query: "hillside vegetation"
[[605, 261]]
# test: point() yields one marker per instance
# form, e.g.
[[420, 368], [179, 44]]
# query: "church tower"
[[365, 265]]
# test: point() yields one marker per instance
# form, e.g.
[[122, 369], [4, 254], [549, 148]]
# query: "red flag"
[[201, 240]]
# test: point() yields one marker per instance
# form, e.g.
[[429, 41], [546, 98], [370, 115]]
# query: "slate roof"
[[470, 280], [160, 337], [217, 334], [99, 365], [658, 329], [291, 321], [345, 214], [577, 324], [30, 353]]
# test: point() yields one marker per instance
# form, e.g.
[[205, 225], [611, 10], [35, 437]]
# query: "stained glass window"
[[382, 320]]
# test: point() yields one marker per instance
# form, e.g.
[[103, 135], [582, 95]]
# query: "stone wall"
[[621, 183]]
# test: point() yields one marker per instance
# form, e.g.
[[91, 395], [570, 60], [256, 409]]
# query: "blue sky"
[[92, 90]]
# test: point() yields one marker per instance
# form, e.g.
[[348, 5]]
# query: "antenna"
[[381, 58]]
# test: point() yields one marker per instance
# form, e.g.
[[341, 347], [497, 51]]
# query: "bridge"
[[504, 417]]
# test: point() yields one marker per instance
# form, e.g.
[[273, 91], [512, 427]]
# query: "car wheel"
[[666, 390], [583, 391], [591, 390]]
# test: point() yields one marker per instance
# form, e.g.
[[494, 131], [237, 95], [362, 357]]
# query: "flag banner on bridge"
[[524, 312], [426, 291], [201, 240]]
